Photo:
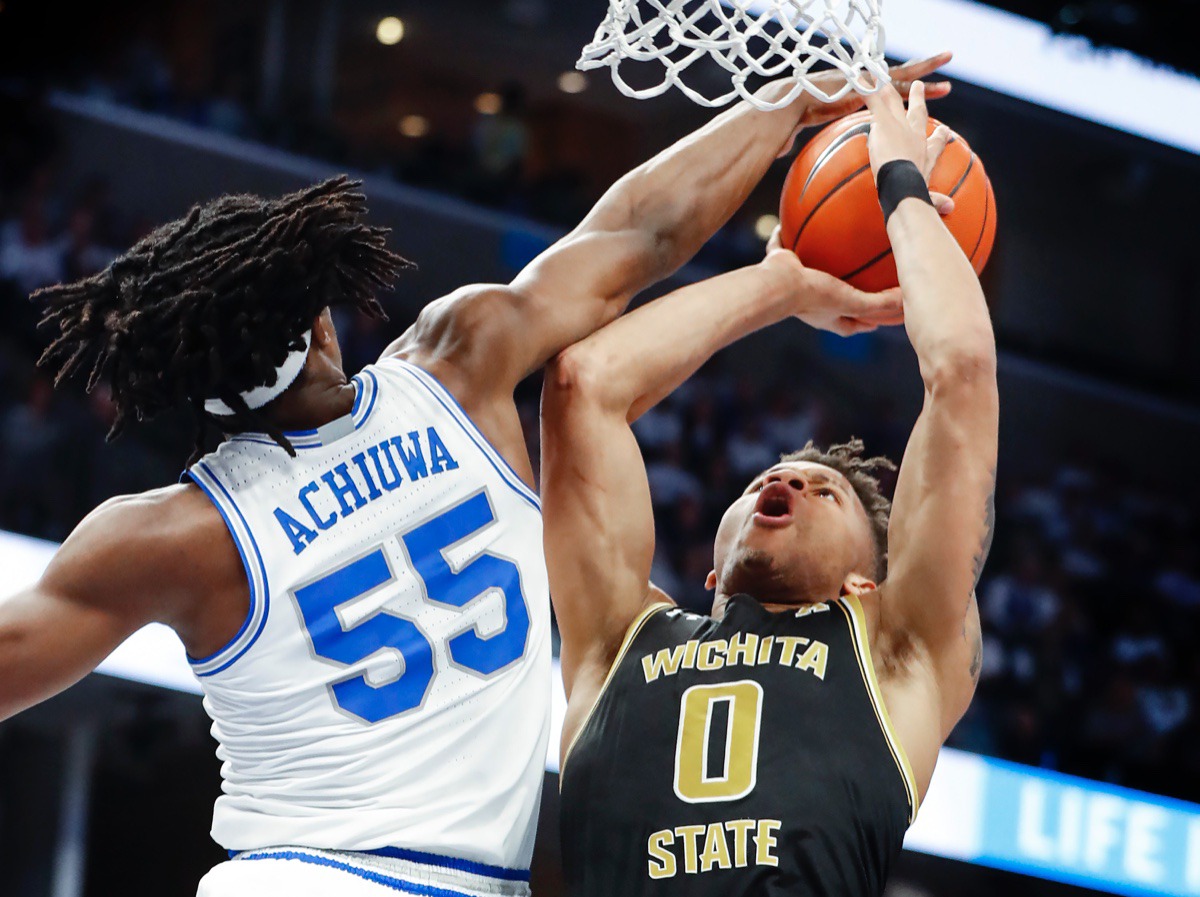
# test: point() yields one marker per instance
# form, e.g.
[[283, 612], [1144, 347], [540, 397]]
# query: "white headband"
[[285, 376]]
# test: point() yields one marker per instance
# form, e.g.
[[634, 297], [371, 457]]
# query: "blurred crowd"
[[503, 152], [487, 161], [1090, 602]]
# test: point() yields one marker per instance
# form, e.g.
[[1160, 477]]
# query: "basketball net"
[[768, 38]]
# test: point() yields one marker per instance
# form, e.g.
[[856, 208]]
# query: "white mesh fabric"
[[769, 38]]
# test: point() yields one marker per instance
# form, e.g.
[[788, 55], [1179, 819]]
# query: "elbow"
[[579, 375], [967, 366]]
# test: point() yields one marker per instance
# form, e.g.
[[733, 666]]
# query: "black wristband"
[[898, 180]]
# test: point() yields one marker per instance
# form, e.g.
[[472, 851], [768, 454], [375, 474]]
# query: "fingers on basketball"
[[918, 112], [869, 308], [934, 147]]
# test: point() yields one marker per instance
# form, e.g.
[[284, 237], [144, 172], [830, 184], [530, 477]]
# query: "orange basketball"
[[830, 211]]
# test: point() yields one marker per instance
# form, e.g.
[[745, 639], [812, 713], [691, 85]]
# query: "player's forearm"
[[637, 360], [682, 196], [945, 314]]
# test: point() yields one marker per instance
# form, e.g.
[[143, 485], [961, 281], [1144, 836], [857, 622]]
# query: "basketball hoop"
[[768, 38]]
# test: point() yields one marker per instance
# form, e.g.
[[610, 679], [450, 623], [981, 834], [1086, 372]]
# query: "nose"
[[791, 479]]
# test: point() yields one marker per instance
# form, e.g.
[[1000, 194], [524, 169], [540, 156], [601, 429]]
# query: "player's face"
[[797, 532]]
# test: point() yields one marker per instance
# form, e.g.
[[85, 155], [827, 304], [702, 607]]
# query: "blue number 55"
[[426, 545]]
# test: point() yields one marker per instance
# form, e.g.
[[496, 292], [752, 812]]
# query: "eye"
[[826, 492]]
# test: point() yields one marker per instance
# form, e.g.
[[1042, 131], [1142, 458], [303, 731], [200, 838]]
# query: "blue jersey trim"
[[437, 390], [358, 395], [364, 376], [444, 862], [199, 661], [387, 881], [259, 594], [436, 386]]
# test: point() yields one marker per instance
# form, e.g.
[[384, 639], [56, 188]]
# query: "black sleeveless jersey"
[[748, 755]]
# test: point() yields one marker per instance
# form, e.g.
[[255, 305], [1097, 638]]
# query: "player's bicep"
[[598, 519], [941, 520]]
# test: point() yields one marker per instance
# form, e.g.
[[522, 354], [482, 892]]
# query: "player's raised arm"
[[942, 515], [646, 226], [596, 501]]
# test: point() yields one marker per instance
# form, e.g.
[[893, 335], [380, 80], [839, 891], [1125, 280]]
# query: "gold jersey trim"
[[630, 634], [857, 621]]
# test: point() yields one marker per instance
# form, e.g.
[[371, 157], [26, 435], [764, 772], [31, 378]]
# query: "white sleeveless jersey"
[[389, 690]]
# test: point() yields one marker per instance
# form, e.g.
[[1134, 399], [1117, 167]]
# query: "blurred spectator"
[[1179, 581], [670, 482], [1020, 603], [500, 141], [82, 255], [28, 256], [749, 450], [33, 448]]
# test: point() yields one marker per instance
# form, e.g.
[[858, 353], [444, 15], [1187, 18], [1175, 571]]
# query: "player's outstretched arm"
[[596, 501], [646, 226], [942, 515], [132, 561]]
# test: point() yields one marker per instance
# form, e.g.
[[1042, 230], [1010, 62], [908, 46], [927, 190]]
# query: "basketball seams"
[[824, 199], [987, 210], [966, 174], [862, 269]]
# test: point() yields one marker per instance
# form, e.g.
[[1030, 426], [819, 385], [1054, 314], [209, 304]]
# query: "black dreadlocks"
[[210, 305], [847, 459]]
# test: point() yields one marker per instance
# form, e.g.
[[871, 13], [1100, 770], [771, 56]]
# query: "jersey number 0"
[[319, 603], [700, 777]]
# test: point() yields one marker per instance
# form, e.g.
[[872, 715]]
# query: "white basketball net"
[[770, 38]]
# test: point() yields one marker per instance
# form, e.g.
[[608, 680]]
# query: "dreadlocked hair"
[[209, 306], [862, 473]]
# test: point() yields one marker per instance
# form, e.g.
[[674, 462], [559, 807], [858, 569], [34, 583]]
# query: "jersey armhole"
[[856, 619], [252, 562], [630, 634]]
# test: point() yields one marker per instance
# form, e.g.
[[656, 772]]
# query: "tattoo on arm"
[[973, 634], [977, 657], [985, 547]]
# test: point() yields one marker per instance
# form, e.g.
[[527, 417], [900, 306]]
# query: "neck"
[[313, 403], [776, 604]]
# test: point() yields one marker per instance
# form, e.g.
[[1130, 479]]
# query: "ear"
[[323, 332], [710, 582], [857, 584]]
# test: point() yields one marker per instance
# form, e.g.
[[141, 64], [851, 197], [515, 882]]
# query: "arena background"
[[478, 148]]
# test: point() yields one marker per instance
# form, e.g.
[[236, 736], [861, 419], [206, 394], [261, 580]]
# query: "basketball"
[[830, 212]]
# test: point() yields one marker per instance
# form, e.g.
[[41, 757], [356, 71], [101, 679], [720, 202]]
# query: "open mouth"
[[774, 505]]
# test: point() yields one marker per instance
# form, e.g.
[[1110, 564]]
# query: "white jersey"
[[389, 690]]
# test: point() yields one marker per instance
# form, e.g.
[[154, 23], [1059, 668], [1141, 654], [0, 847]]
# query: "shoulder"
[[445, 325], [150, 550], [159, 516]]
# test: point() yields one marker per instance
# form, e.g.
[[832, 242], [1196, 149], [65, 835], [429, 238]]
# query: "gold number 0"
[[692, 782]]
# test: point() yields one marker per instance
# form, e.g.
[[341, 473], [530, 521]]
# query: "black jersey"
[[748, 755]]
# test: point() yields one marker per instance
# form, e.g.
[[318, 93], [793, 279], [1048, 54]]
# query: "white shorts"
[[305, 872]]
